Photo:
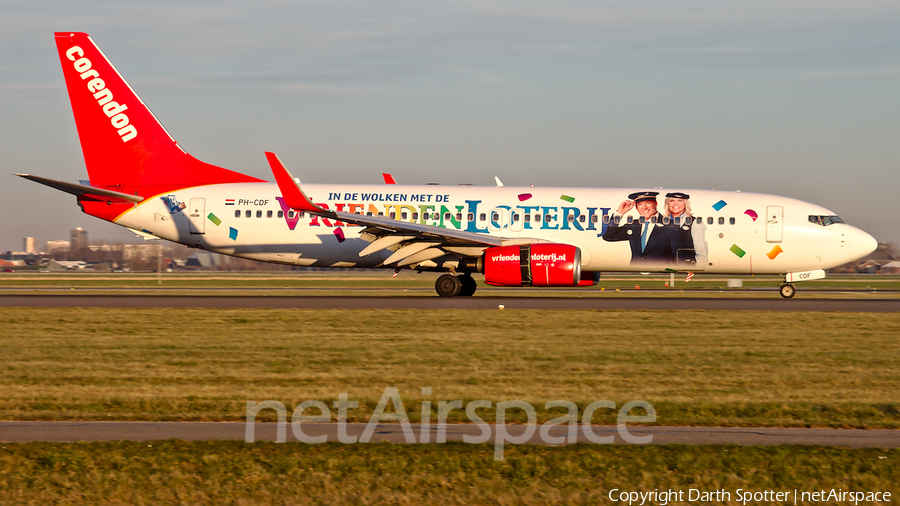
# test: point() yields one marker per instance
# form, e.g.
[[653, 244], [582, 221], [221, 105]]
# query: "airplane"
[[140, 178]]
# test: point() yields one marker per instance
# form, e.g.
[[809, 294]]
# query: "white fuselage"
[[736, 232]]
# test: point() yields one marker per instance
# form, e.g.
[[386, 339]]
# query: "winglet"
[[388, 179], [290, 190]]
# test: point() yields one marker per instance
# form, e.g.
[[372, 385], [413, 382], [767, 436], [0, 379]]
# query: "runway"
[[393, 433], [774, 303]]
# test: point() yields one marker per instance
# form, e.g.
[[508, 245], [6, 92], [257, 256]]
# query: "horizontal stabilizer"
[[81, 190]]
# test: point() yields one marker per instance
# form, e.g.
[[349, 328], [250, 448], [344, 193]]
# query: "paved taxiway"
[[424, 302], [197, 431]]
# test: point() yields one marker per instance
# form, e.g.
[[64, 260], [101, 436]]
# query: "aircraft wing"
[[412, 243]]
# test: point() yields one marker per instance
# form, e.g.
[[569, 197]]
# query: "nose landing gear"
[[787, 290]]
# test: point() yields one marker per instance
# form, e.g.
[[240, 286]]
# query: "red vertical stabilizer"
[[124, 144]]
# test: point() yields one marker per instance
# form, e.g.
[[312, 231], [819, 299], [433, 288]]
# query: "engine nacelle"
[[540, 264]]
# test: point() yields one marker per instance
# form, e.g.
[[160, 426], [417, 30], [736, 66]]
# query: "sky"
[[797, 98]]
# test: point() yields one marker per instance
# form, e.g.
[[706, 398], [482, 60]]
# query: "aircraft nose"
[[861, 244]]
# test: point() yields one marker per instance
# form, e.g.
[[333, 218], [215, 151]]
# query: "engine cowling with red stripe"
[[541, 264]]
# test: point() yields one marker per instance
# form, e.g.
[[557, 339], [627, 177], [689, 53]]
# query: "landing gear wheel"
[[468, 286], [787, 290], [448, 285]]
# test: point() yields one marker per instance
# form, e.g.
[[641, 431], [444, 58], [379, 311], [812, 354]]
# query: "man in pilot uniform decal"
[[650, 241]]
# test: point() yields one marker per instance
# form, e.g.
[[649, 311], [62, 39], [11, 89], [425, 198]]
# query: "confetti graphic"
[[215, 219], [232, 233], [719, 205], [524, 196], [774, 253], [339, 233], [751, 213], [567, 198], [738, 251]]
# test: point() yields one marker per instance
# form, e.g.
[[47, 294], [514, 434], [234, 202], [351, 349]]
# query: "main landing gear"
[[449, 285], [787, 290]]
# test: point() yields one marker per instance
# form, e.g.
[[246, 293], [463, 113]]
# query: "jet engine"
[[540, 264]]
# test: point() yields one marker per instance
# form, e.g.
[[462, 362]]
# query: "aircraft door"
[[197, 215], [774, 228], [516, 220]]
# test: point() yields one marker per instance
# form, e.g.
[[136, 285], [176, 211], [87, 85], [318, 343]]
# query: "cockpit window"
[[825, 220]]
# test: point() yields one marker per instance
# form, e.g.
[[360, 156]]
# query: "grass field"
[[695, 367], [265, 473]]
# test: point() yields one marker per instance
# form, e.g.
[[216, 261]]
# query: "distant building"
[[891, 267], [57, 246], [78, 239], [141, 251], [30, 245]]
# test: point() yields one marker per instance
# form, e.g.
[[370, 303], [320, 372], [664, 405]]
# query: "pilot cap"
[[678, 195], [642, 196]]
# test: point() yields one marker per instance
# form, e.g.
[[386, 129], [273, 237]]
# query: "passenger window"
[[470, 217], [482, 217], [458, 216], [594, 219], [259, 213], [537, 218], [237, 214], [605, 219], [527, 218], [721, 220], [403, 215], [641, 220], [269, 214], [617, 220], [631, 220], [291, 214], [446, 216], [393, 216], [709, 220], [666, 220], [516, 217], [653, 219], [248, 213], [415, 216], [581, 218], [495, 216], [731, 221], [546, 218], [369, 213], [280, 214], [570, 218]]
